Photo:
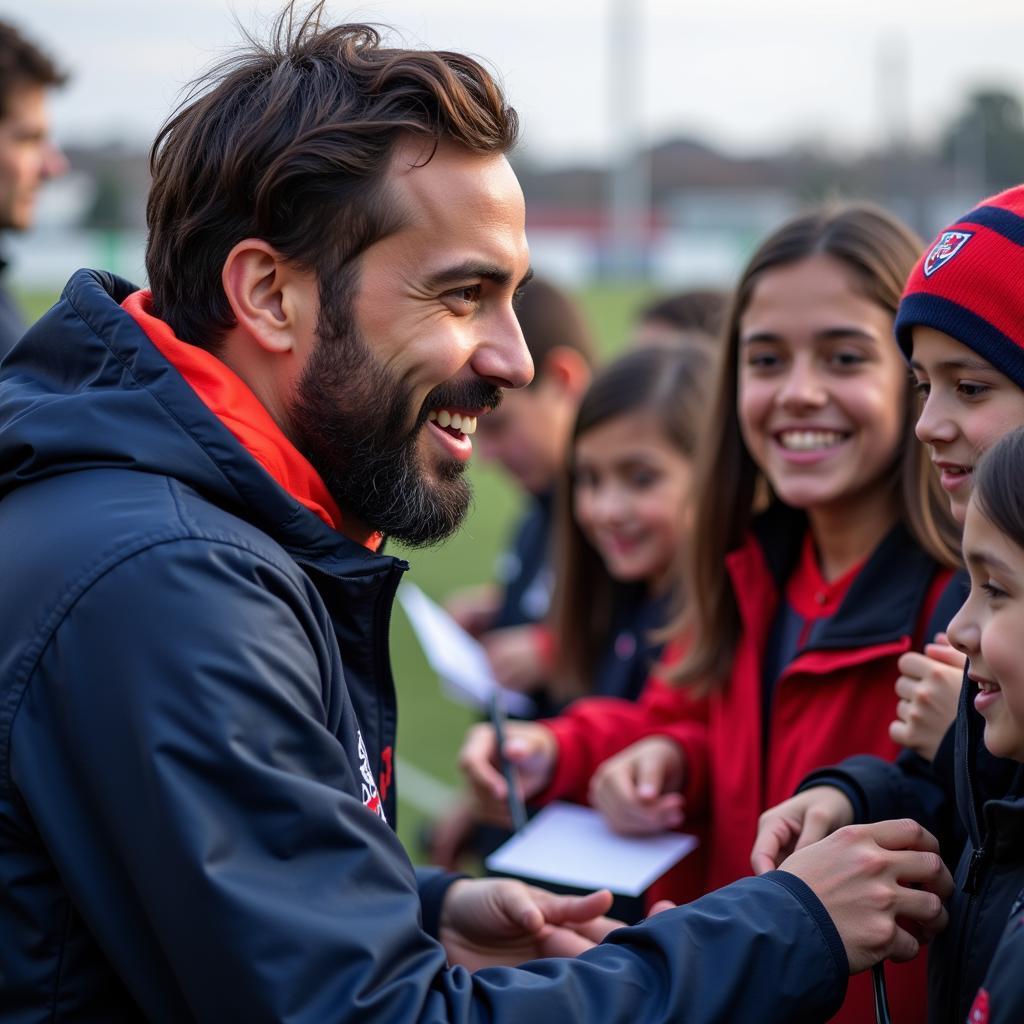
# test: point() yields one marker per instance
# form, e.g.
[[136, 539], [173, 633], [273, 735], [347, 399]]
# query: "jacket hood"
[[87, 389]]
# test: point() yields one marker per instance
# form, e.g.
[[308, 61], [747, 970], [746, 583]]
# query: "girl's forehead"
[[812, 294]]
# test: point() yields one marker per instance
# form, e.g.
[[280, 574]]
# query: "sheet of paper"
[[455, 656], [572, 845]]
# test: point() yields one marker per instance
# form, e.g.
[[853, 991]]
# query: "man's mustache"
[[470, 394]]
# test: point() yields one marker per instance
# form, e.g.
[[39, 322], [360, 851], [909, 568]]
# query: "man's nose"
[[502, 356]]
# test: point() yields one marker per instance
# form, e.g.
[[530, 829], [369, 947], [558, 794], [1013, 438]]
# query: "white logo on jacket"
[[371, 798]]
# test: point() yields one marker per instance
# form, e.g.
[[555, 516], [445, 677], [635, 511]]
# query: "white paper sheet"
[[572, 845], [455, 656]]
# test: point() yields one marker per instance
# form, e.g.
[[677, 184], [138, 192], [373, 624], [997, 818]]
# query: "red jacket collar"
[[230, 399]]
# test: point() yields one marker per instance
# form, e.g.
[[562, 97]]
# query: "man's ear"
[[565, 370], [266, 295]]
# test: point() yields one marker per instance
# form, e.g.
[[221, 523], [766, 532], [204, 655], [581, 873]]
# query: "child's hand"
[[638, 790], [517, 660], [798, 822], [529, 746], [929, 690]]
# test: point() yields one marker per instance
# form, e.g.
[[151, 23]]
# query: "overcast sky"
[[746, 74]]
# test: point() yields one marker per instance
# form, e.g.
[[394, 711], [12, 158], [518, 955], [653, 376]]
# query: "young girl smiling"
[[980, 954]]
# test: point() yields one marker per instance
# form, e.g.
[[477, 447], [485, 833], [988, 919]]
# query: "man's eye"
[[471, 293]]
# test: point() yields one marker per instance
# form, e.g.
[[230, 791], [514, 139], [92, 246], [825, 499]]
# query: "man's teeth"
[[444, 418], [809, 440]]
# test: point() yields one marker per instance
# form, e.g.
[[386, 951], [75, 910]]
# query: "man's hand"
[[797, 822], [638, 790], [883, 885], [517, 660], [929, 690], [529, 746], [491, 922]]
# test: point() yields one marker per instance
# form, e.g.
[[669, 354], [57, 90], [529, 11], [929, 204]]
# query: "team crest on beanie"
[[969, 285], [948, 245]]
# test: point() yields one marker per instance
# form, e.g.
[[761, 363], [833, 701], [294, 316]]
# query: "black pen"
[[881, 996], [516, 808]]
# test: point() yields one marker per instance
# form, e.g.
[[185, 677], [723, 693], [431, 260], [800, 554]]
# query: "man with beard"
[[27, 155], [196, 708]]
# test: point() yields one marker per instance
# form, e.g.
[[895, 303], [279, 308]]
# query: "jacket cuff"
[[837, 779], [692, 738], [808, 899], [570, 774], [433, 885]]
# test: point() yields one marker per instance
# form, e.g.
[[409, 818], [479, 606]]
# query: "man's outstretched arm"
[[173, 748]]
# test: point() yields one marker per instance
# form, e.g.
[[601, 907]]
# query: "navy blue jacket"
[[194, 697], [12, 324]]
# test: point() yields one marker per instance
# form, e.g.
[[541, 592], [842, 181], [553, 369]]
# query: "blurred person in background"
[[28, 156], [687, 318], [620, 520], [528, 437]]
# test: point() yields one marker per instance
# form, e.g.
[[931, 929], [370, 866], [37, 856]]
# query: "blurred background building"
[[660, 141]]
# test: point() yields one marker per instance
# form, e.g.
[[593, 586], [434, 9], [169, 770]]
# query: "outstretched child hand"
[[638, 790], [929, 690]]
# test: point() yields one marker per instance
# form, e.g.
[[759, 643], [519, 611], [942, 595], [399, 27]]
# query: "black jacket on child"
[[975, 801]]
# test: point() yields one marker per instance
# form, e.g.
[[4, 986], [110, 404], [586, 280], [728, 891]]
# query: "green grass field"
[[430, 728]]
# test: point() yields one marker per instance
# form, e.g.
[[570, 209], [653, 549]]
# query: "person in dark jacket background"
[[28, 157], [196, 706]]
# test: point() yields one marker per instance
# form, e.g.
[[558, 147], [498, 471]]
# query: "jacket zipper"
[[386, 681], [382, 658], [974, 867]]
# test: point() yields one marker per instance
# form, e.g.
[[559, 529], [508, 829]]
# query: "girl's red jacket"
[[834, 699]]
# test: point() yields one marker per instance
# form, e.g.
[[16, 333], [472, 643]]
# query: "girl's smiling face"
[[630, 484], [822, 387], [968, 406], [989, 629]]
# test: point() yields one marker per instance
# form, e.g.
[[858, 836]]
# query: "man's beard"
[[350, 419]]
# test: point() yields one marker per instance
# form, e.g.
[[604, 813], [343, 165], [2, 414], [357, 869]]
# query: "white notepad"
[[572, 845]]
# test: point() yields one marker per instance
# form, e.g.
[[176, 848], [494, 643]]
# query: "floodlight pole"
[[629, 170]]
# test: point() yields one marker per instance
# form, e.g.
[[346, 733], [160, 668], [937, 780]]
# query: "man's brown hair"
[[289, 141], [23, 63]]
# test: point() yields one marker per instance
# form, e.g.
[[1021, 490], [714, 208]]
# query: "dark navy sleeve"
[[881, 790], [12, 325], [433, 885], [176, 742]]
